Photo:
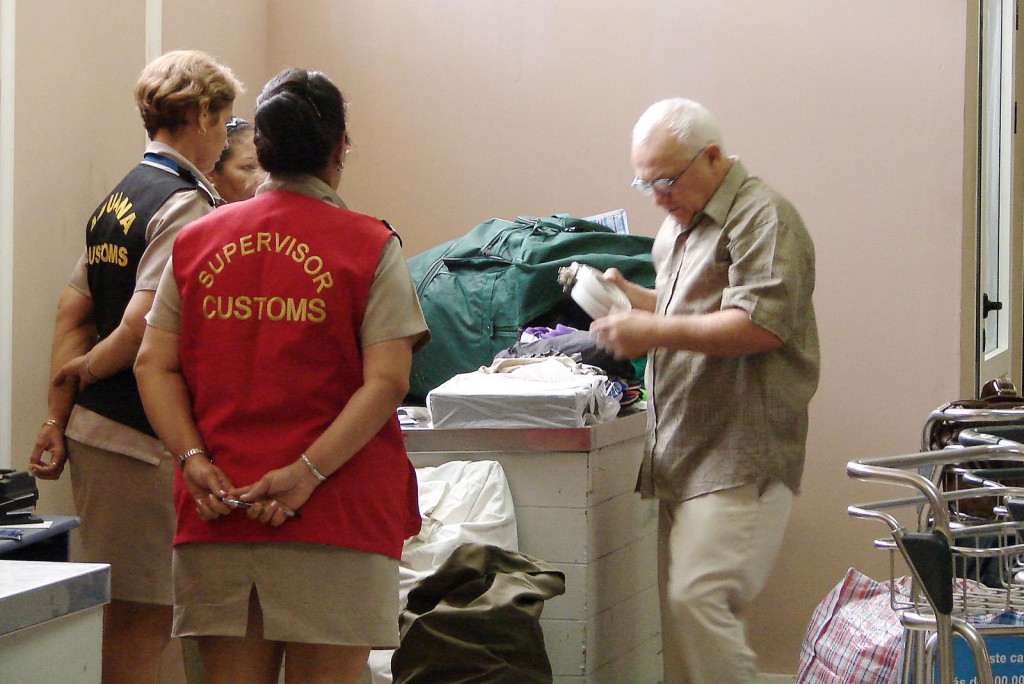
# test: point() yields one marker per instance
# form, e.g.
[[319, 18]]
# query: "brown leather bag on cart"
[[995, 394]]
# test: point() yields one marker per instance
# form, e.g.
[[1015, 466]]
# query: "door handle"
[[988, 305]]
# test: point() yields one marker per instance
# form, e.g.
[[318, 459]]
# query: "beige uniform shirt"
[[180, 208], [716, 422], [392, 307]]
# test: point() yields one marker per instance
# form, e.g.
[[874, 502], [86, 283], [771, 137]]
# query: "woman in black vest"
[[121, 474]]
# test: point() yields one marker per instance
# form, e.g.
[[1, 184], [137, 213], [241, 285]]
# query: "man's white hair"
[[690, 122]]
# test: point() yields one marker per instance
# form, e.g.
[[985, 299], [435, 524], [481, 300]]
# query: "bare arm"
[[168, 405], [165, 394], [73, 334], [729, 332], [386, 368], [118, 350]]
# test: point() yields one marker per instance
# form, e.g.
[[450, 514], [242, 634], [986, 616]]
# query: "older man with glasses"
[[732, 363]]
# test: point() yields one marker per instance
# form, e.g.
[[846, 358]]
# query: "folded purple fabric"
[[543, 333]]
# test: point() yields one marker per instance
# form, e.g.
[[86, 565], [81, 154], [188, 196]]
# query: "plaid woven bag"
[[854, 636]]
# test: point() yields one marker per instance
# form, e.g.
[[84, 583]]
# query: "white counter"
[[576, 508], [51, 621]]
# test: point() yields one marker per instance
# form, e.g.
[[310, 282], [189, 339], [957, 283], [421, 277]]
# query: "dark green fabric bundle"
[[478, 291]]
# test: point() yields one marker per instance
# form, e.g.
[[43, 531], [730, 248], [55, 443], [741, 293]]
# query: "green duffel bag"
[[478, 291]]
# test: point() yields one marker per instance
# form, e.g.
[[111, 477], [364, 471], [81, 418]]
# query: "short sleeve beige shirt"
[[392, 308], [88, 427], [717, 422]]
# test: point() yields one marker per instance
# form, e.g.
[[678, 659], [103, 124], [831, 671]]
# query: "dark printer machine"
[[18, 497]]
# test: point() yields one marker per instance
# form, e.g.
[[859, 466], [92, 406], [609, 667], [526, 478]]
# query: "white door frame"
[[6, 228]]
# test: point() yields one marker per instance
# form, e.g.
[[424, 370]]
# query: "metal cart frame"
[[940, 604]]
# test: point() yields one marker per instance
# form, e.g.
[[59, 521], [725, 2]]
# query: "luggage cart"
[[945, 422], [1002, 569], [939, 549], [972, 423], [1000, 404]]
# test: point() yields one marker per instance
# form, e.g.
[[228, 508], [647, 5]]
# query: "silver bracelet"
[[312, 468], [194, 451]]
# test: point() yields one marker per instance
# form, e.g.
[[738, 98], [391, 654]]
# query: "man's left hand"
[[627, 335]]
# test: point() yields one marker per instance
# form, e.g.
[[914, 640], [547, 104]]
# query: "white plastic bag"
[[460, 501]]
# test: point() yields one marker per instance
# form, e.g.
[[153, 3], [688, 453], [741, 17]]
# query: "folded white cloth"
[[546, 392]]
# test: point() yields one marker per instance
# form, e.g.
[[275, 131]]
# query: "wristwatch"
[[194, 451]]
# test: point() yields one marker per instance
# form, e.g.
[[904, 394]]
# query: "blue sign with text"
[[1005, 653]]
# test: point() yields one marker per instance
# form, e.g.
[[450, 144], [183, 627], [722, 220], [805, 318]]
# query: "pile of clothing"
[[551, 378], [481, 291]]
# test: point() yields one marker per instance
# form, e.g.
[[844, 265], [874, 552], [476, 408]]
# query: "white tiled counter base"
[[575, 508], [51, 621]]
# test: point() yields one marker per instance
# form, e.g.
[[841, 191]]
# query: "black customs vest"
[[115, 239]]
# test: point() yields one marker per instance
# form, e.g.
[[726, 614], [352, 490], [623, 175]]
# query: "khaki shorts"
[[309, 593], [127, 511]]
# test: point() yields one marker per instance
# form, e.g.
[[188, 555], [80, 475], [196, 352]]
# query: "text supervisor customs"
[[281, 243], [263, 308]]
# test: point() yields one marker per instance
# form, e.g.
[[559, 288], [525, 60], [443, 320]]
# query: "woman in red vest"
[[277, 351], [121, 475]]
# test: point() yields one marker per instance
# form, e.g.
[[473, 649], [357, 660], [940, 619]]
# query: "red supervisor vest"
[[273, 293]]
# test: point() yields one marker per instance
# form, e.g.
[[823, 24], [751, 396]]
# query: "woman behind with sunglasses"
[[277, 352], [238, 172]]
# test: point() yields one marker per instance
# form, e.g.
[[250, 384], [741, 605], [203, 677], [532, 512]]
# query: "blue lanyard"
[[162, 161], [173, 167]]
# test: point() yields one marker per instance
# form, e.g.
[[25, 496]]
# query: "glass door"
[[999, 310]]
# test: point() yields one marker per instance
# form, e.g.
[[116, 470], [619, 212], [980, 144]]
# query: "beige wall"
[[463, 111], [233, 31], [76, 133]]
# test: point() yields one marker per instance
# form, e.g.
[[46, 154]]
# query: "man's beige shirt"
[[716, 422]]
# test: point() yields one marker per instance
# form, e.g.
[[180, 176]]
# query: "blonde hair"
[[689, 122], [173, 84]]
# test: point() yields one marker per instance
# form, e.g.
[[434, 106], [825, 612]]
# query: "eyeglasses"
[[663, 185], [236, 122]]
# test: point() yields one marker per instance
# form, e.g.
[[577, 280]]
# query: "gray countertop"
[[422, 440], [32, 592]]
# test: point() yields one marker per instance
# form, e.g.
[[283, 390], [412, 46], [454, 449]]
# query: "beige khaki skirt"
[[127, 511], [308, 593]]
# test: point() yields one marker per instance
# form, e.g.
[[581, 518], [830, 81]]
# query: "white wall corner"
[[154, 29], [6, 227]]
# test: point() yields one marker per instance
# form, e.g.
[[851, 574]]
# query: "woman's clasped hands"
[[272, 500]]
